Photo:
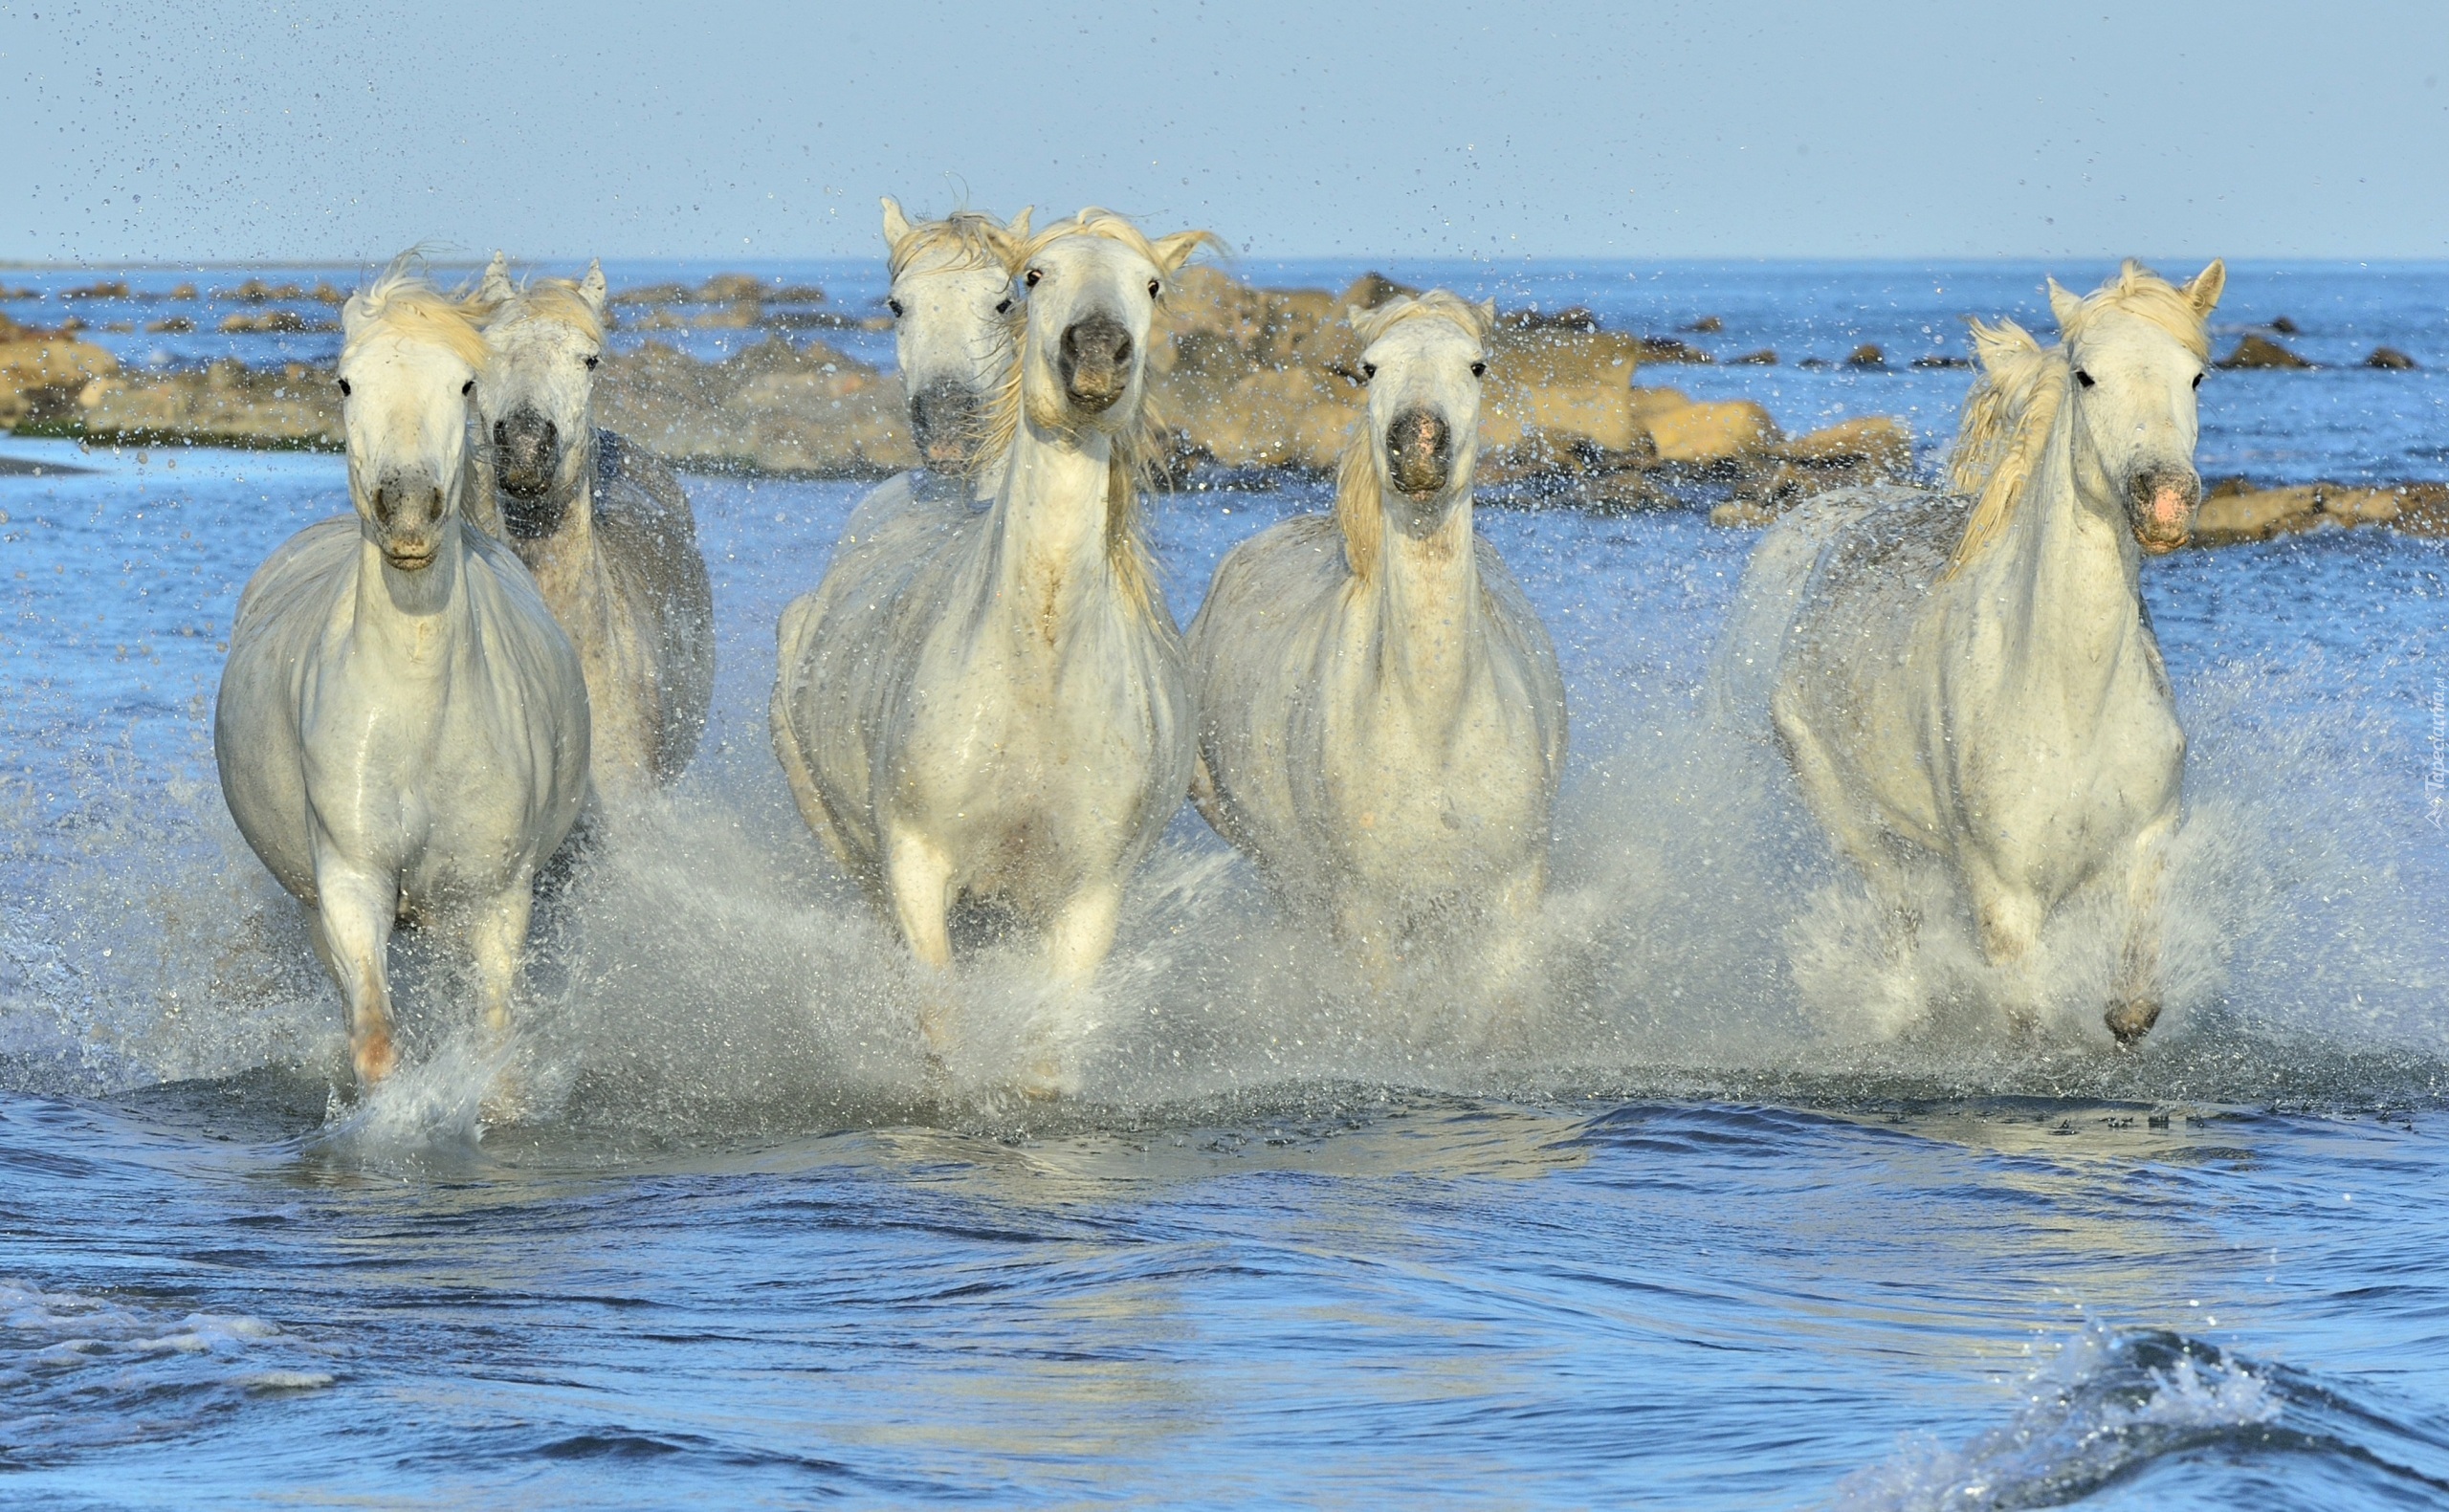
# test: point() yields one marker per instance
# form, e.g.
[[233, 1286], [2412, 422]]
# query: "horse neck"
[[1427, 599], [1049, 526], [2067, 573], [410, 619]]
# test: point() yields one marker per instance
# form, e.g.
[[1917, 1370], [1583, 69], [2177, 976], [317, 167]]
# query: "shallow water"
[[1686, 1224]]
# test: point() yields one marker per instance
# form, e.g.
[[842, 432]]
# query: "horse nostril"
[[501, 432], [1122, 349]]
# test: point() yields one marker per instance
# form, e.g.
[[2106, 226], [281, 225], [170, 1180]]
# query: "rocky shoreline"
[[1248, 381]]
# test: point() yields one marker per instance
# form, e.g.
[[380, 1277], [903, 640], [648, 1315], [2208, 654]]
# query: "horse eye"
[[2197, 380], [1368, 371], [1151, 288], [1005, 308], [2084, 378], [895, 305], [591, 360], [1031, 277], [1479, 369], [468, 387], [343, 388]]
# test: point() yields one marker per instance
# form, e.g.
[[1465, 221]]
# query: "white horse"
[[402, 728], [603, 524], [994, 705], [1381, 716], [1980, 683]]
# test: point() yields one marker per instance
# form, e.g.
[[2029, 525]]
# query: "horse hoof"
[[2129, 1021]]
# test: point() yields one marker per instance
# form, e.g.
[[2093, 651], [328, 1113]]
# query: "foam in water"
[[82, 1372], [2104, 1404], [706, 961]]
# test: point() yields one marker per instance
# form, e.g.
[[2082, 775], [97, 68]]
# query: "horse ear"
[[2204, 291], [496, 287], [1018, 226], [591, 288], [353, 315], [1172, 251], [897, 226], [2062, 304]]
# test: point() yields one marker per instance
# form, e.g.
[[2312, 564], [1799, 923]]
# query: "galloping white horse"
[[1381, 716], [994, 707], [402, 729], [603, 526], [1982, 686]]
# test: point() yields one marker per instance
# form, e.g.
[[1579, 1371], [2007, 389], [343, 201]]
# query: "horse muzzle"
[[2160, 502], [408, 513], [1420, 451], [944, 420], [1093, 361], [527, 454]]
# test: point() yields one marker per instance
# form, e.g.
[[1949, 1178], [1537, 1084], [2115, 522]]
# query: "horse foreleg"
[[1077, 941], [918, 883], [2008, 919], [2137, 1004], [498, 943], [354, 914], [497, 940]]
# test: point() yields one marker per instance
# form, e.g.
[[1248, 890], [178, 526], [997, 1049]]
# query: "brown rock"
[[1667, 349], [1874, 442], [254, 291], [1719, 431], [41, 372], [726, 288], [1371, 290], [2260, 352], [185, 291], [112, 289], [655, 294], [271, 323], [2391, 358], [1704, 325], [1866, 354], [2285, 326], [175, 325], [1763, 358]]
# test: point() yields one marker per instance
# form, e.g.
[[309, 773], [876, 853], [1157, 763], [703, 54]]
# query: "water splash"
[[2104, 1405]]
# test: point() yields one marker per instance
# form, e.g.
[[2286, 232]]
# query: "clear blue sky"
[[1902, 129]]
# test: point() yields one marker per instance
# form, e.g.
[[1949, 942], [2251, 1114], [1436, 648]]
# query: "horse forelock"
[[963, 239], [2138, 292], [557, 300], [400, 305], [1438, 304]]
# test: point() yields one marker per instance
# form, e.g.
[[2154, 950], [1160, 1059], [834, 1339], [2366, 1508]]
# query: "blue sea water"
[[1690, 1229]]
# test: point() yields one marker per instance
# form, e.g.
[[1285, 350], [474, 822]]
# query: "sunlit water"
[[1721, 1209]]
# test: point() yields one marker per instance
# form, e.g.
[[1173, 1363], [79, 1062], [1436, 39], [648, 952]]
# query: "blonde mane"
[[558, 300], [401, 303], [2014, 406], [1129, 471], [1360, 495], [969, 239]]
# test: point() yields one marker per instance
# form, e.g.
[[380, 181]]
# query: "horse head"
[[536, 398], [953, 322], [1094, 283], [2135, 350], [409, 360], [1423, 361]]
